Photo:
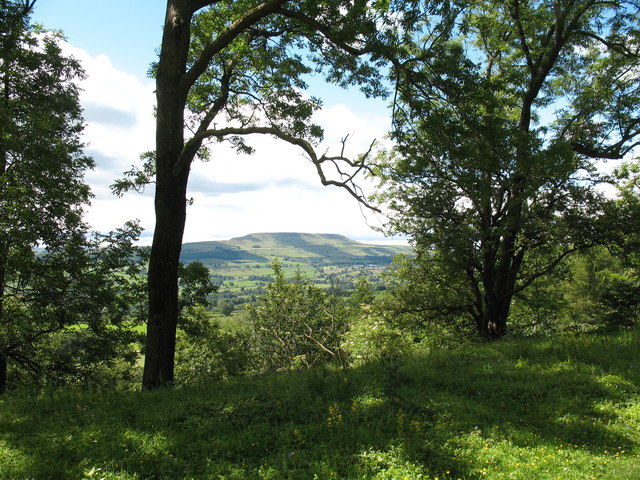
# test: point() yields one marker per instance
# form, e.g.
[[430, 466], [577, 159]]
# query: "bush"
[[77, 358], [296, 324], [205, 352], [372, 338]]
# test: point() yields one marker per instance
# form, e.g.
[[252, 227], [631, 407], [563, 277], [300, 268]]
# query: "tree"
[[228, 69], [502, 109], [41, 158], [626, 210], [65, 294], [195, 287], [208, 352], [362, 295], [226, 306], [67, 314]]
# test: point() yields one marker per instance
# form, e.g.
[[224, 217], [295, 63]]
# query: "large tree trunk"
[[172, 174], [494, 320], [3, 245], [163, 283]]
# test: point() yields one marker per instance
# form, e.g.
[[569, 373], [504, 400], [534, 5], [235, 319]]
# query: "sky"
[[274, 190]]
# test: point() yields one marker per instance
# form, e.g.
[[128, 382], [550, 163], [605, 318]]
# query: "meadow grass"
[[553, 408]]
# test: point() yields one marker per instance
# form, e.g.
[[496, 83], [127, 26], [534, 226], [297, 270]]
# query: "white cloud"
[[118, 110], [276, 189]]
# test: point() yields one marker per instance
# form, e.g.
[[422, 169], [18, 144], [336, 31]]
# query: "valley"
[[242, 266]]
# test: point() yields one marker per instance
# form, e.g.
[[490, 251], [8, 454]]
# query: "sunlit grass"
[[555, 408]]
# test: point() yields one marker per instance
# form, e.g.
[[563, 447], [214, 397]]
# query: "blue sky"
[[275, 189], [127, 31]]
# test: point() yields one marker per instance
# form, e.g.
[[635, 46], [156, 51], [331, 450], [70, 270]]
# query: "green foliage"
[[427, 298], [295, 324], [65, 308], [68, 315], [564, 407], [501, 110], [371, 338], [206, 352], [195, 287], [591, 291], [41, 157], [542, 309], [226, 306], [627, 212], [363, 295]]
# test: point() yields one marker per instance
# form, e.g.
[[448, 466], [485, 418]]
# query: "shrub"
[[372, 338], [295, 324], [206, 352]]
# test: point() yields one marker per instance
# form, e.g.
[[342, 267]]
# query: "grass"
[[554, 408]]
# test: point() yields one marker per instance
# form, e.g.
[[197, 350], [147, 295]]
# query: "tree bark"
[[163, 284], [172, 173]]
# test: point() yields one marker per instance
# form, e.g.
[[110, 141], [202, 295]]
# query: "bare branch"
[[322, 347], [347, 181]]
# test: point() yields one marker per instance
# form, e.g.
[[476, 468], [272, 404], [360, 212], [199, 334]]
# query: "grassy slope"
[[556, 408]]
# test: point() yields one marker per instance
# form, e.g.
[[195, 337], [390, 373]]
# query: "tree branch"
[[610, 153], [322, 347], [619, 47], [195, 5], [192, 146], [348, 183], [549, 267], [522, 36], [324, 30], [241, 25]]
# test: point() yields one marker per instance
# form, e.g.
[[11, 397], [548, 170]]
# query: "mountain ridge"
[[315, 247]]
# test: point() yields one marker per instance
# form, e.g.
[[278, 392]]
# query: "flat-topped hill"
[[310, 247]]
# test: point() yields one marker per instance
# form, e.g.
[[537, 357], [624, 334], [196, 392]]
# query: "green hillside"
[[328, 249], [524, 409]]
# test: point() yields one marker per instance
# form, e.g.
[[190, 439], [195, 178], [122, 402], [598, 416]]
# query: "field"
[[551, 408], [242, 266]]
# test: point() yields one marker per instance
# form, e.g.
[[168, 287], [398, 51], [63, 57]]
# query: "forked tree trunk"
[[493, 323], [499, 284]]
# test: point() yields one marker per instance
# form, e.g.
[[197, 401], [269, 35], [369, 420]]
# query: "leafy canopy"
[[501, 110]]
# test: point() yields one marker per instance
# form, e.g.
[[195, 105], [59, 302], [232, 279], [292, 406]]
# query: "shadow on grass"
[[449, 414]]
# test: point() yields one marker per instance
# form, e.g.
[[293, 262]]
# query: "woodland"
[[503, 344]]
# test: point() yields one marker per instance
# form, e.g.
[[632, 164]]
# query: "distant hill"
[[304, 247]]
